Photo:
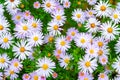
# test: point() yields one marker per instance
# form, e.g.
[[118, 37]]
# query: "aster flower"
[[27, 14], [91, 2], [36, 5], [26, 77], [90, 13], [116, 65], [4, 61], [6, 40], [48, 5], [54, 28], [65, 60], [78, 16], [16, 64], [34, 76], [103, 51], [103, 59], [92, 25], [45, 66], [12, 73], [21, 50], [109, 30], [102, 9], [48, 38], [66, 4], [59, 17], [62, 44], [87, 64], [35, 39], [12, 3], [115, 16], [103, 76]]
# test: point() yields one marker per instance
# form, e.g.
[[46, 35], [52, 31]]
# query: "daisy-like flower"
[[59, 17], [81, 75], [58, 53], [36, 5], [103, 76], [1, 9], [100, 42], [26, 77], [34, 76], [78, 15], [116, 65], [12, 11], [4, 61], [3, 24], [66, 4], [12, 73], [35, 39], [45, 66], [92, 25], [103, 59], [22, 30], [103, 51], [72, 32], [27, 14], [65, 60], [36, 24], [48, 5], [6, 40], [91, 2], [12, 3], [87, 77], [16, 64], [102, 9], [90, 13], [115, 16], [17, 17], [109, 30], [87, 64], [62, 44], [48, 38], [54, 28], [22, 49], [82, 40], [54, 75], [92, 50], [117, 46]]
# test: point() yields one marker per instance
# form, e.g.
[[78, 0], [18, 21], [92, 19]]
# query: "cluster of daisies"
[[27, 34]]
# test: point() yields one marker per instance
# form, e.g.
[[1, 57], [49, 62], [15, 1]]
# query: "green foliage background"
[[71, 72]]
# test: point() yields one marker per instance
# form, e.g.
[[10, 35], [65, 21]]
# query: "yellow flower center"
[[92, 25], [100, 52], [58, 17], [62, 43], [87, 64], [34, 25], [91, 51], [73, 33], [59, 51], [82, 40], [35, 38], [48, 5], [25, 28], [16, 64], [35, 77], [5, 40], [110, 30], [11, 72], [2, 60], [1, 27], [50, 38], [103, 8], [90, 13], [11, 0], [18, 17], [55, 27], [78, 15], [22, 49], [115, 16], [45, 66], [100, 44], [86, 78], [66, 60], [102, 76]]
